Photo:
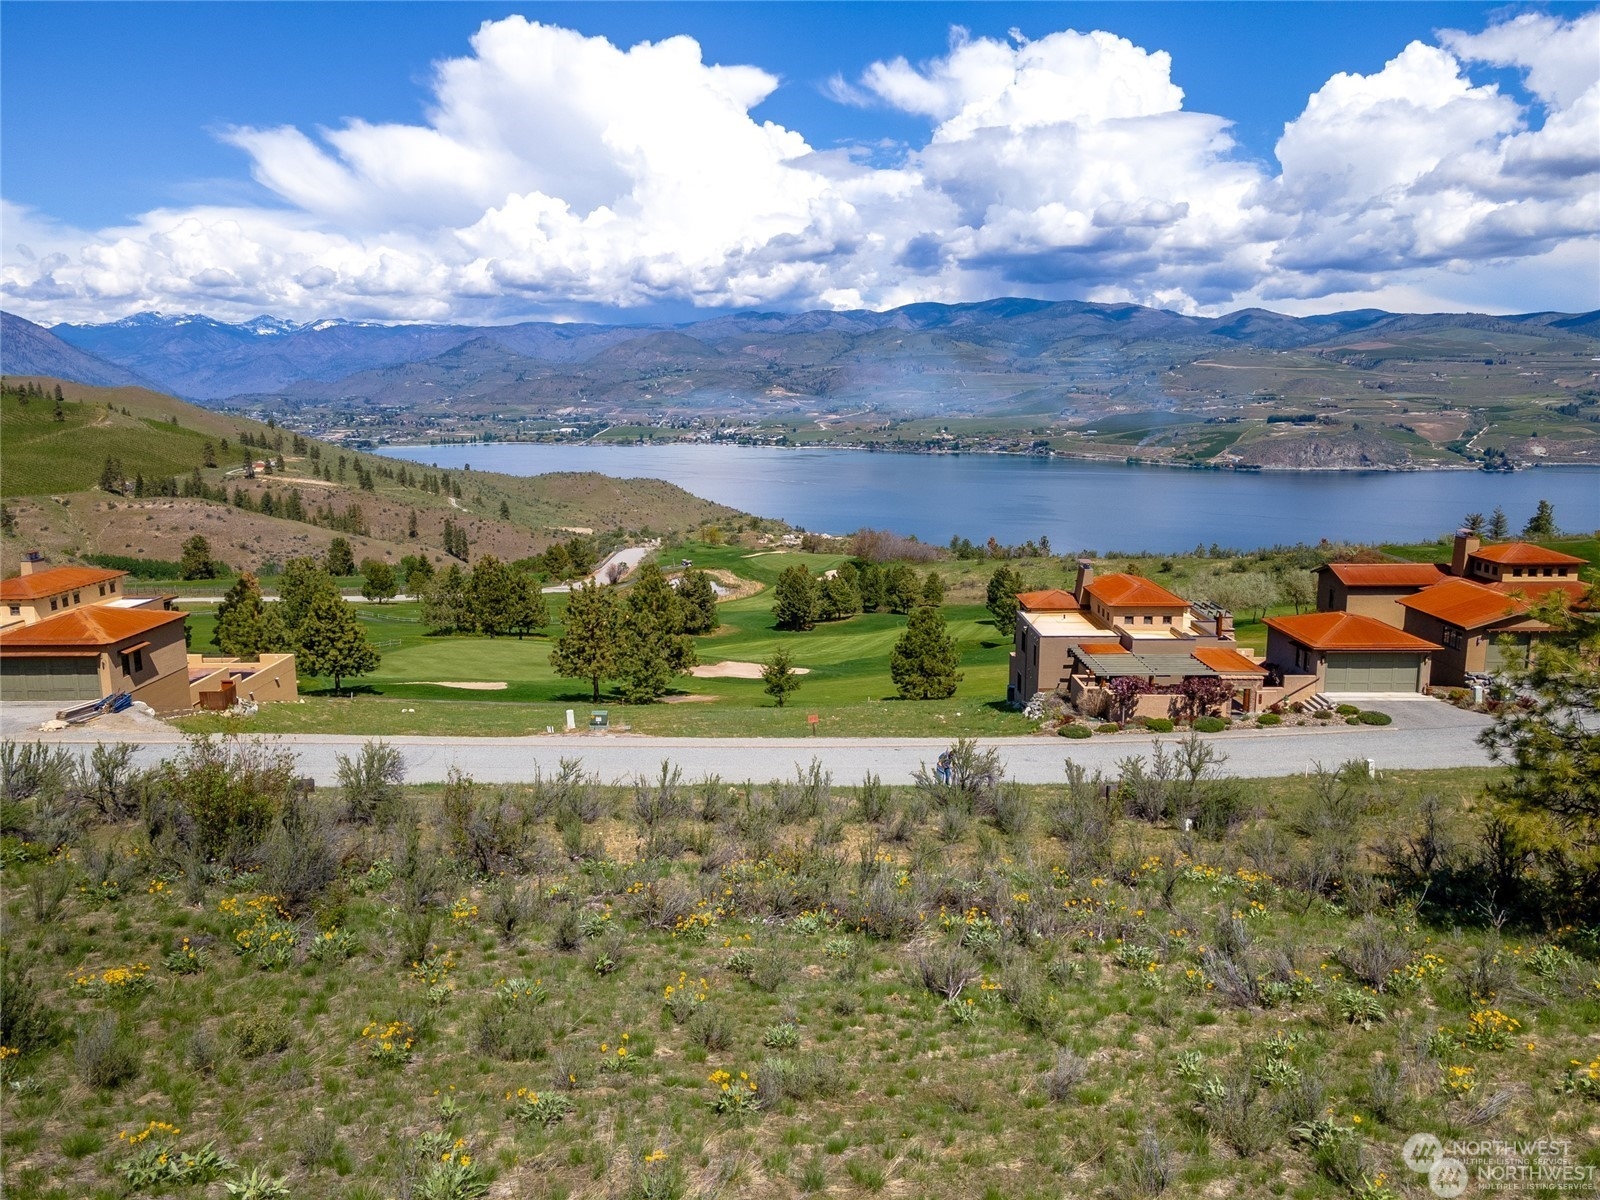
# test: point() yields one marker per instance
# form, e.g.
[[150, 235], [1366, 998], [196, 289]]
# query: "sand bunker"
[[482, 685], [736, 670], [692, 698]]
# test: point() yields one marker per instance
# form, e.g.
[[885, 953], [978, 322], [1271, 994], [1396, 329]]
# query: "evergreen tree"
[[933, 589], [196, 562], [492, 596], [302, 582], [528, 610], [378, 581], [445, 607], [839, 597], [796, 601], [901, 588], [652, 646], [778, 677], [294, 509], [505, 511], [331, 641], [8, 520], [248, 627], [417, 572], [923, 662], [870, 585], [59, 396], [698, 600], [111, 476], [1001, 597], [138, 484], [340, 562], [1499, 526], [269, 504], [1543, 522], [587, 648], [1475, 524]]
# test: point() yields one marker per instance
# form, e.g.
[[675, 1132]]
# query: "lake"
[[1079, 505]]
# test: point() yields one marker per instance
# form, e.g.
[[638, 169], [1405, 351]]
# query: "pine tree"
[[445, 607], [303, 581], [331, 641], [247, 627], [111, 476], [196, 562], [1543, 522], [294, 508], [505, 511], [840, 599], [1499, 526], [796, 603], [778, 677], [870, 585], [587, 648], [1001, 597], [411, 524], [528, 611], [933, 589], [492, 596], [923, 662], [652, 646], [340, 561], [698, 600], [901, 588]]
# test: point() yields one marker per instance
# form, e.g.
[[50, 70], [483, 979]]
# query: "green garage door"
[[1372, 672], [49, 679], [1514, 655]]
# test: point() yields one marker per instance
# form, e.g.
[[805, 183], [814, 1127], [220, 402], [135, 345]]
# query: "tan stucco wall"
[[272, 677]]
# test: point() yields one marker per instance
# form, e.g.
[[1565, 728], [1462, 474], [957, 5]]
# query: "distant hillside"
[[29, 349], [907, 359], [51, 471]]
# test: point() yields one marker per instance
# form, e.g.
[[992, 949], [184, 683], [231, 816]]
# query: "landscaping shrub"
[[1108, 727], [1370, 717], [1346, 710], [1269, 719], [1209, 724], [1075, 731], [1158, 724]]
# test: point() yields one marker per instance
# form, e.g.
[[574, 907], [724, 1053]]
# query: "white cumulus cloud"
[[553, 170]]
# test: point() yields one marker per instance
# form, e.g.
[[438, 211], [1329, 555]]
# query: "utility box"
[[599, 719]]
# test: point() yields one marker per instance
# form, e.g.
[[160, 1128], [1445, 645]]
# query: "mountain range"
[[993, 356]]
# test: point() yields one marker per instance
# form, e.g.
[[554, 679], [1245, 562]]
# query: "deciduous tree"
[[378, 582], [778, 677], [331, 642]]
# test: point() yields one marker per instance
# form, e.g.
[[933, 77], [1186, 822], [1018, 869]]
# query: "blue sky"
[[899, 169]]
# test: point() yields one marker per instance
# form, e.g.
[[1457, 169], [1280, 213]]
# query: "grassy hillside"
[[540, 990]]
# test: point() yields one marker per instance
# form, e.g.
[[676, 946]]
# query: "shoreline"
[[1098, 459]]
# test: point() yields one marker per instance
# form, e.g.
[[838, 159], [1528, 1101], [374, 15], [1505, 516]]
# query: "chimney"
[[1466, 545], [31, 562], [1085, 578]]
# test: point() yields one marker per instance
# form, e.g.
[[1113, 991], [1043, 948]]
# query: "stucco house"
[[1073, 643], [1479, 629], [40, 592], [1348, 652]]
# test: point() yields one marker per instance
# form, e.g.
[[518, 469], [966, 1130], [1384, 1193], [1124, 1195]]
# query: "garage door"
[[1513, 655], [49, 679], [1372, 672]]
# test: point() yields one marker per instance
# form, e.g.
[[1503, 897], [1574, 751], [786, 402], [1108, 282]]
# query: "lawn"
[[847, 685], [1017, 994]]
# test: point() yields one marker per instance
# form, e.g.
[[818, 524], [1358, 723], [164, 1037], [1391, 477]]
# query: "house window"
[[135, 661], [1149, 620], [16, 610], [1128, 620], [75, 598], [1167, 620], [1516, 572], [112, 585], [102, 589], [54, 604]]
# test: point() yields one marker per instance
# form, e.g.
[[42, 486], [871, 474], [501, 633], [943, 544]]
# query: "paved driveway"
[[1425, 734]]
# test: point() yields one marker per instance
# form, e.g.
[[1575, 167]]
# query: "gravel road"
[[1425, 734]]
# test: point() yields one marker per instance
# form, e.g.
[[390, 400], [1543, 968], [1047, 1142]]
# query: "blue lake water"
[[1078, 505]]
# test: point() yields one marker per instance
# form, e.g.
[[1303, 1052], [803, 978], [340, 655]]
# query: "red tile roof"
[[90, 627], [1048, 600], [1103, 648], [53, 582], [1346, 631], [1535, 589], [1387, 575], [1464, 603], [1132, 591], [1228, 661], [1523, 553]]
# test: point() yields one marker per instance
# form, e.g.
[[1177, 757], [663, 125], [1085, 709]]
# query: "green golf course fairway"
[[847, 685]]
